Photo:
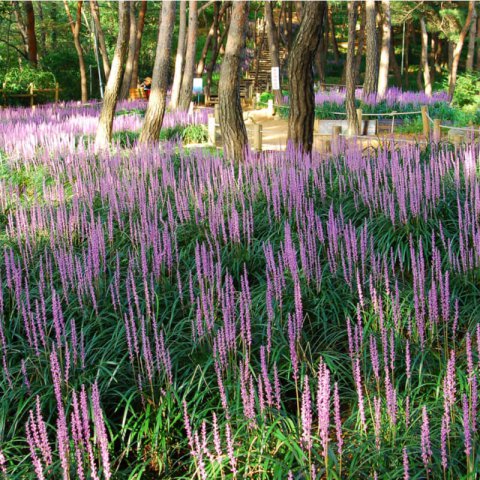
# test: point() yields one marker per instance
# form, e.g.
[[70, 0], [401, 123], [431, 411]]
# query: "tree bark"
[[232, 125], [112, 90], [450, 49], [31, 37], [215, 49], [132, 43], [361, 43], [409, 38], [158, 95], [179, 60], [478, 43], [385, 49], [331, 27], [201, 63], [138, 43], [432, 56], [322, 51], [452, 77], [350, 73], [290, 27], [471, 42], [371, 67], [300, 74], [187, 80], [22, 28], [212, 35], [43, 33], [95, 11], [273, 46], [424, 59], [393, 61], [75, 28]]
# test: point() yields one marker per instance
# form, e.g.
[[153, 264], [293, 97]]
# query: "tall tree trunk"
[[300, 74], [95, 11], [452, 77], [187, 79], [31, 37], [331, 27], [112, 90], [471, 42], [132, 43], [361, 42], [213, 33], [478, 43], [43, 32], [158, 95], [350, 73], [22, 28], [393, 61], [273, 46], [201, 63], [215, 50], [406, 61], [451, 47], [322, 50], [385, 49], [138, 43], [280, 24], [75, 27], [424, 59], [232, 125], [179, 60], [371, 67], [290, 27], [228, 16], [432, 55]]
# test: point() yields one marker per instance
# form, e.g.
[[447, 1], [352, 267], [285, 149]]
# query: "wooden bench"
[[137, 94]]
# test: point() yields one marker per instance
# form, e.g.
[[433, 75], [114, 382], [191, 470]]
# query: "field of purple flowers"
[[165, 314]]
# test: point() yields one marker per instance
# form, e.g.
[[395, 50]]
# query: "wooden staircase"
[[258, 76]]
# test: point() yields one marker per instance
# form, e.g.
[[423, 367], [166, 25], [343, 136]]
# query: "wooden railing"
[[32, 93]]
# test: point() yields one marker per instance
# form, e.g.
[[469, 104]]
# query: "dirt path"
[[275, 132]]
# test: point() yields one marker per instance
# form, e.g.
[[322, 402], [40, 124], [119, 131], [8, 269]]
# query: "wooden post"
[[336, 131], [457, 139], [56, 92], [270, 108], [257, 137], [360, 121], [426, 125], [212, 130], [216, 110], [31, 95], [393, 122], [437, 133], [250, 92]]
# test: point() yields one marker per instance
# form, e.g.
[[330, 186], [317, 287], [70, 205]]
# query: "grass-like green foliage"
[[18, 80], [135, 198], [462, 112], [187, 133]]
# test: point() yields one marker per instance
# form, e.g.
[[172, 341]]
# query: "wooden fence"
[[32, 93]]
